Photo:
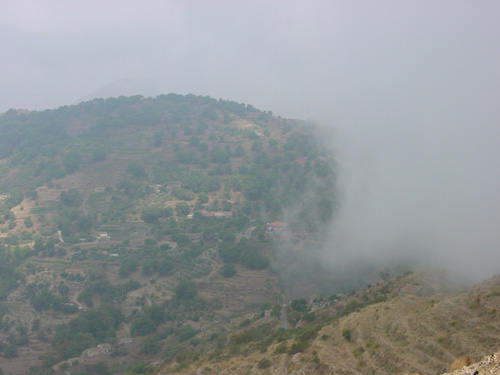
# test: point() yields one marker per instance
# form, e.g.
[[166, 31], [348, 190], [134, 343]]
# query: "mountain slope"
[[405, 334], [144, 219]]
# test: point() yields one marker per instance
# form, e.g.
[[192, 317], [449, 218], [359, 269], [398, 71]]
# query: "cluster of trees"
[[42, 298], [200, 182], [245, 252], [13, 341], [106, 291], [10, 276], [147, 323], [164, 267], [87, 330], [274, 176]]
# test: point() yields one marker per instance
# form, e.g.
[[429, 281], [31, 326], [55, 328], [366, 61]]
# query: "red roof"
[[277, 224]]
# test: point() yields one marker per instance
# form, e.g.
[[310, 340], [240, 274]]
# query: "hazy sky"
[[412, 89]]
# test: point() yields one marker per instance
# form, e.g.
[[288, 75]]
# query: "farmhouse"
[[224, 214], [103, 236], [277, 227], [74, 271], [219, 214], [97, 351]]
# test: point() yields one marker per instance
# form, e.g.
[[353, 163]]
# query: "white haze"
[[411, 89], [431, 196]]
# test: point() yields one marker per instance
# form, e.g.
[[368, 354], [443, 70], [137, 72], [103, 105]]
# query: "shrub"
[[299, 305], [298, 346], [309, 317], [346, 334], [185, 333], [136, 170], [264, 363], [308, 333], [228, 270], [358, 351], [28, 222], [186, 290], [203, 198], [253, 260], [142, 326], [182, 209], [128, 266], [281, 348], [71, 197], [150, 345], [151, 214], [351, 307]]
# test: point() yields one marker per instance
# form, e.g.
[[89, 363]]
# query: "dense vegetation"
[[111, 210]]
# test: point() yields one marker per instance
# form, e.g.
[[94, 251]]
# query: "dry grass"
[[460, 362]]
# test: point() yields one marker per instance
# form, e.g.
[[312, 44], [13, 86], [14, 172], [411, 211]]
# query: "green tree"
[[185, 290], [137, 170], [182, 209], [71, 197], [28, 222], [203, 198], [72, 161], [152, 214], [220, 155], [150, 345], [63, 289], [128, 266], [257, 146], [142, 326], [228, 270], [346, 334], [10, 350], [165, 268], [299, 305]]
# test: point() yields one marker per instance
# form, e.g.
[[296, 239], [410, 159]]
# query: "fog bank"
[[422, 187]]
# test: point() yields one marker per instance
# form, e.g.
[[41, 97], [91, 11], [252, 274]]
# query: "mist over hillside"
[[157, 218], [422, 190], [277, 212], [409, 92]]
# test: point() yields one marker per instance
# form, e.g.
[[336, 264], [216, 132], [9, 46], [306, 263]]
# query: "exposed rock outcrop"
[[490, 365]]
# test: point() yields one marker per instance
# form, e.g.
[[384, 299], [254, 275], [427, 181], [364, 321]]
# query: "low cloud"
[[422, 192]]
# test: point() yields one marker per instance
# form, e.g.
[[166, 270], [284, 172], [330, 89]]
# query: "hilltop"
[[122, 220]]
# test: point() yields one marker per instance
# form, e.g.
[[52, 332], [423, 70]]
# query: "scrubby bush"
[[281, 348], [299, 305], [346, 334], [264, 363], [228, 270], [142, 326], [351, 307]]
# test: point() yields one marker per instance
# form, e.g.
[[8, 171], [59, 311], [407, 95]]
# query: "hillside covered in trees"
[[132, 224]]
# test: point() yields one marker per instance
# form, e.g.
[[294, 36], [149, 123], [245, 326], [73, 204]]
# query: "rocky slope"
[[409, 333], [490, 365]]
